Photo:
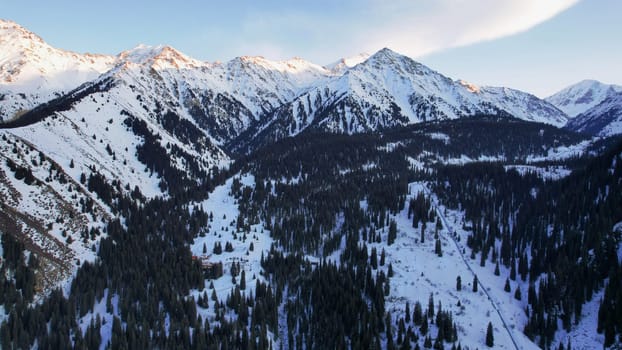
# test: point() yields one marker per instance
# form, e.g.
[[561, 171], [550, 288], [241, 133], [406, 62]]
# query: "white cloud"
[[412, 27], [461, 22]]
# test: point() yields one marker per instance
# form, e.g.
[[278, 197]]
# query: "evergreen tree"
[[475, 282], [243, 280], [431, 306], [382, 257], [418, 314], [438, 248], [392, 232], [458, 283], [490, 340], [424, 326]]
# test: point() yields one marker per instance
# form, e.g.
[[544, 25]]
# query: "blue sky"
[[539, 46]]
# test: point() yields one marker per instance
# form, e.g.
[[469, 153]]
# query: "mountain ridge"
[[382, 90], [593, 107]]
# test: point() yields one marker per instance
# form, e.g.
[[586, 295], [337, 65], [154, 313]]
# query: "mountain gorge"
[[152, 200]]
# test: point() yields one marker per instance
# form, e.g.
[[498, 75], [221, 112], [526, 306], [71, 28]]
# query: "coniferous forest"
[[331, 204]]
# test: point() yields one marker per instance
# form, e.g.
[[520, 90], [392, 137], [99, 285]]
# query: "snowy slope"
[[582, 96], [221, 99], [33, 72], [523, 105], [604, 119], [419, 273], [49, 209]]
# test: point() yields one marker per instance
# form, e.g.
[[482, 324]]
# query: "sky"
[[538, 46]]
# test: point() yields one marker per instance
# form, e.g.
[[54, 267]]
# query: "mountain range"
[[254, 100]]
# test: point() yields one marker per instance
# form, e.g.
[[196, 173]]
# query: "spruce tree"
[[392, 232], [490, 340], [474, 283], [458, 283], [438, 248]]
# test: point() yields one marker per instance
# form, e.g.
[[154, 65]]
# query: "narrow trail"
[[452, 232]]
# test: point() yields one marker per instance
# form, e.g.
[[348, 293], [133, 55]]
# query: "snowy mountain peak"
[[11, 31], [386, 55], [24, 56], [295, 65], [582, 96], [604, 119], [161, 56], [33, 72], [339, 67]]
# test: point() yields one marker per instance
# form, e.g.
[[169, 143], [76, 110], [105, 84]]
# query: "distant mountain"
[[389, 89], [33, 72], [580, 97], [247, 96], [594, 108], [604, 119]]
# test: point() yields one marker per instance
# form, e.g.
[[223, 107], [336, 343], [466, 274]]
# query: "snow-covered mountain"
[[582, 96], [389, 89], [250, 94], [604, 119], [32, 72]]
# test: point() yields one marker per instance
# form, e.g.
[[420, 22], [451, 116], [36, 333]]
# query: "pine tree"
[[392, 232], [490, 340], [507, 287], [431, 306], [513, 270], [438, 248], [475, 283], [382, 257], [458, 283], [517, 293], [373, 259], [243, 280], [497, 272], [418, 314], [424, 326]]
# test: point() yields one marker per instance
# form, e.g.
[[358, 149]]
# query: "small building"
[[211, 269]]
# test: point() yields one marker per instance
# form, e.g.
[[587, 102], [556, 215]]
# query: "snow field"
[[419, 272]]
